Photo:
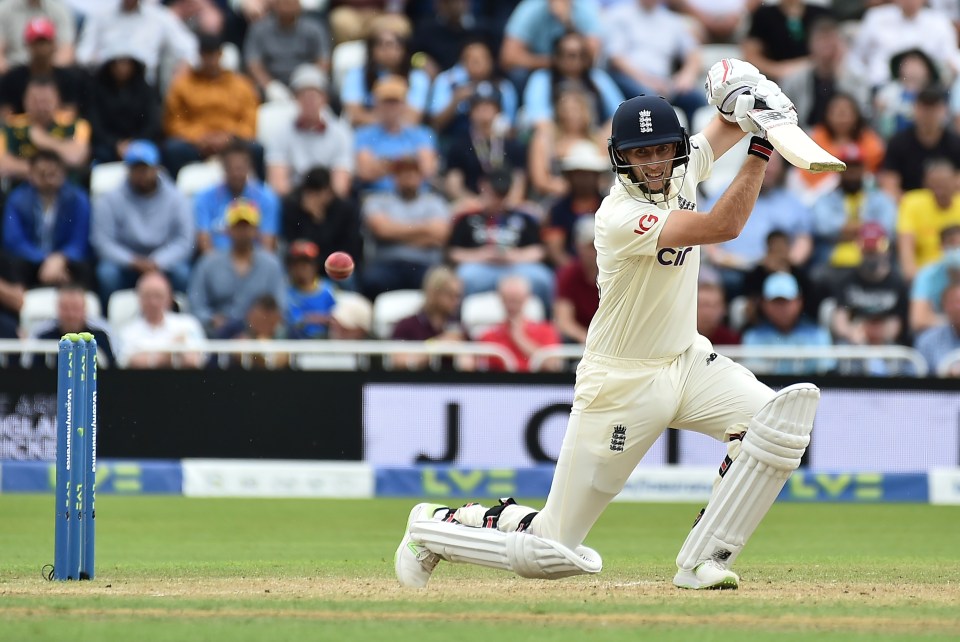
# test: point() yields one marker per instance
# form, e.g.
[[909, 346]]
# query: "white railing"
[[949, 364], [800, 354], [274, 352]]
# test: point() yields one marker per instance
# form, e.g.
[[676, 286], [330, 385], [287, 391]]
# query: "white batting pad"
[[523, 553], [772, 448]]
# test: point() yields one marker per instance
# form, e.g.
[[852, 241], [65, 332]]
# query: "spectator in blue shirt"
[[309, 298], [46, 225], [784, 325], [932, 280], [388, 54], [571, 66], [535, 25], [454, 90], [239, 184], [936, 342], [391, 138]]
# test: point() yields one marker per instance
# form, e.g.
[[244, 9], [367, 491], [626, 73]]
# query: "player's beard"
[[660, 191]]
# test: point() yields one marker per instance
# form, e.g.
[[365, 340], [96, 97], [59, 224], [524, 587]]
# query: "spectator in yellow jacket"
[[207, 108]]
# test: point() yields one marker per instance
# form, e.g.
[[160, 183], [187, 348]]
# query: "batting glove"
[[766, 95], [728, 79]]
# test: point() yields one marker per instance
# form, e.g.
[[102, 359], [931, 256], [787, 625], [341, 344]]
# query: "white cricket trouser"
[[620, 408]]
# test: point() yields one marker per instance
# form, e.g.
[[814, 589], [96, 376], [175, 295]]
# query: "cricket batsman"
[[645, 367]]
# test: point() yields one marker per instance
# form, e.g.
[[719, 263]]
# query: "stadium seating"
[[390, 307], [483, 310], [106, 177], [197, 177], [40, 304]]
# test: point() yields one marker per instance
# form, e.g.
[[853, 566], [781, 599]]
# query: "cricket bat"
[[793, 143]]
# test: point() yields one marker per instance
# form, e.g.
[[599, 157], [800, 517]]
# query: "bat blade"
[[793, 143]]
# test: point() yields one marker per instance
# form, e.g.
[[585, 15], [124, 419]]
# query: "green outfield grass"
[[189, 569]]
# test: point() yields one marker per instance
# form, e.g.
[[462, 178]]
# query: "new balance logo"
[[646, 122], [619, 438], [684, 204]]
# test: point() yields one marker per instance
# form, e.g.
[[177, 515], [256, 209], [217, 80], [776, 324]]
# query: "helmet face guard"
[[647, 121]]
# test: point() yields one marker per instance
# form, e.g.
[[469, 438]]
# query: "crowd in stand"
[[458, 147]]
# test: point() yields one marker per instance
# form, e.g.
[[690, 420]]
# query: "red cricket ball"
[[339, 266]]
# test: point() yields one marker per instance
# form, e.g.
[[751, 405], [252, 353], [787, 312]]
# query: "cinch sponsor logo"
[[675, 257]]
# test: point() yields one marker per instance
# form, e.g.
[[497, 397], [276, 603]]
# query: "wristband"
[[760, 147]]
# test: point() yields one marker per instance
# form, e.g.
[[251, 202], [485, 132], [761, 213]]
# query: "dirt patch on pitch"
[[796, 603]]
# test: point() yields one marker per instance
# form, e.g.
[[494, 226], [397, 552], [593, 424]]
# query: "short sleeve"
[[701, 158], [530, 234], [253, 45], [424, 138], [352, 92], [522, 22], [508, 100], [346, 159], [922, 289], [418, 93], [461, 236], [536, 98], [586, 16], [906, 223], [628, 227], [277, 149], [440, 96], [270, 212], [65, 24], [610, 94], [365, 138]]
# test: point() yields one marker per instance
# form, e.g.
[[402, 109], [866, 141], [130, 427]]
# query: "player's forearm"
[[731, 211]]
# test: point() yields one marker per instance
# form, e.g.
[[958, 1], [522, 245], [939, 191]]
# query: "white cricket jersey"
[[648, 296]]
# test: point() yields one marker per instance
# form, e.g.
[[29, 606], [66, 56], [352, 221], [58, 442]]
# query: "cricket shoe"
[[414, 563], [707, 575]]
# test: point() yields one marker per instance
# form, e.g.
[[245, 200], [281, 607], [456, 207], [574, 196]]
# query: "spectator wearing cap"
[[712, 309], [498, 240], [437, 320], [936, 342], [149, 28], [388, 55], [889, 29], [351, 319], [206, 109], [932, 280], [309, 298], [44, 125], [535, 25], [16, 15], [314, 212], [928, 139], [239, 184], [315, 138], [224, 284], [485, 146], [571, 66], [142, 226], [812, 86], [391, 138], [844, 126], [157, 327], [839, 215], [583, 168], [784, 325], [873, 285], [577, 296], [924, 214], [456, 90], [121, 105], [279, 43], [910, 72], [776, 209], [46, 225], [644, 41], [40, 37], [440, 34], [409, 225]]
